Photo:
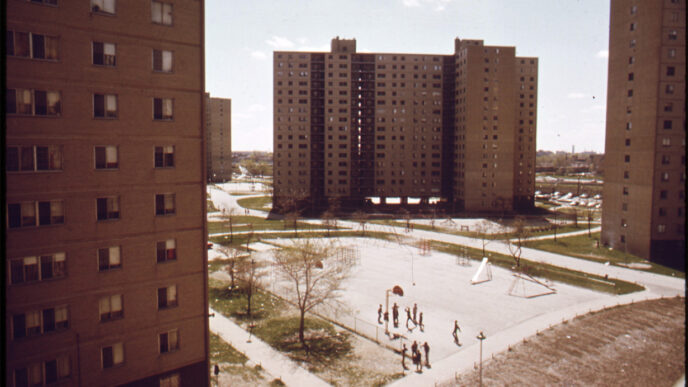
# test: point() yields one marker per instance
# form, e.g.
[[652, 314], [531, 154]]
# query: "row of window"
[[41, 46], [42, 321], [52, 266], [32, 158], [33, 102], [58, 369], [45, 213]]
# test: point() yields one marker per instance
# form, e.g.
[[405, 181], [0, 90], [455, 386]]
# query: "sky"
[[570, 38]]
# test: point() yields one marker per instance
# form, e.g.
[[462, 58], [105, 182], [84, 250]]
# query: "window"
[[103, 6], [661, 228], [33, 102], [24, 214], [162, 108], [666, 159], [32, 45], [628, 142], [104, 54], [107, 208], [667, 124], [166, 250], [666, 141], [169, 341], [627, 158], [106, 157], [110, 308], [109, 258], [630, 92], [673, 35], [112, 355], [631, 76], [662, 211], [104, 105], [167, 297], [625, 190], [37, 322], [665, 176], [663, 194], [633, 26], [669, 89], [34, 158], [39, 268], [164, 204], [162, 61], [164, 156], [173, 380], [161, 13], [671, 71], [626, 175]]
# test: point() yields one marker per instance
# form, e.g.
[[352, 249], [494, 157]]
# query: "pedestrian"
[[419, 363], [403, 356], [426, 347], [395, 315], [408, 318], [420, 322], [414, 347], [386, 316], [415, 313], [379, 314], [455, 334]]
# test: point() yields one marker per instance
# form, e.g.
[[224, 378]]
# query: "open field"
[[633, 345]]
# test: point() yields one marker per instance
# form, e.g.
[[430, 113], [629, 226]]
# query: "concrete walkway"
[[261, 353]]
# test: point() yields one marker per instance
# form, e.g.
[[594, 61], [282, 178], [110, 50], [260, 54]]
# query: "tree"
[[315, 272], [251, 276], [516, 239], [249, 235], [228, 216], [362, 218], [233, 257], [329, 221], [589, 214], [483, 229]]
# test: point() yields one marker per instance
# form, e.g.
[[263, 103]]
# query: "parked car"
[[210, 245]]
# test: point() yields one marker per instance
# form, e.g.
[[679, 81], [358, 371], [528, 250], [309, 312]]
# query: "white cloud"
[[437, 5], [258, 55], [576, 95], [280, 42], [602, 54]]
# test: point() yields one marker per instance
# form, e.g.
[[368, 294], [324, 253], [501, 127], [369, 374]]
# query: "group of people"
[[412, 315], [416, 356]]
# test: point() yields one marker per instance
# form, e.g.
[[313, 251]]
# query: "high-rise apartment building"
[[350, 126], [105, 207], [645, 163], [218, 123]]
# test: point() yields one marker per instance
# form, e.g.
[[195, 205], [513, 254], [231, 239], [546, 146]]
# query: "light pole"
[[387, 311], [481, 337]]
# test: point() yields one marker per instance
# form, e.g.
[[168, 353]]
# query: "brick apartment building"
[[350, 126], [105, 203], [218, 138], [645, 163]]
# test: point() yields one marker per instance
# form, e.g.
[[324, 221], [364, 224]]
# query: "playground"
[[444, 288]]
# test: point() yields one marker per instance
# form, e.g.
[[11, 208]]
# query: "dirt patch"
[[633, 345], [368, 364]]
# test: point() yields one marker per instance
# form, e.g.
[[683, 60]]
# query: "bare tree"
[[233, 257], [250, 274], [483, 229], [516, 239], [228, 216], [362, 218], [249, 236], [315, 272], [589, 214], [329, 221]]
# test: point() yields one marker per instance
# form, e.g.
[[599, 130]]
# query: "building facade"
[[351, 126], [105, 207], [218, 138], [645, 171]]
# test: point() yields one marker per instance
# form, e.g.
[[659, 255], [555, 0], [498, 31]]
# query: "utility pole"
[[481, 337]]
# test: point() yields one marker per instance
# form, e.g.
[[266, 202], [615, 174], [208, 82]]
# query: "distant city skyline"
[[569, 38]]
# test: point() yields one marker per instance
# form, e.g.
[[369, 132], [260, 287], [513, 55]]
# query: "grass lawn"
[[497, 236], [241, 223], [553, 273], [585, 247], [255, 203], [221, 352], [263, 303], [239, 241]]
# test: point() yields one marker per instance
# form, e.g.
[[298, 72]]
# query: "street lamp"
[[481, 337]]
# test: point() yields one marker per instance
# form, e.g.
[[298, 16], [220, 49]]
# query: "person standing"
[[379, 314], [415, 312], [420, 322], [426, 347], [455, 333], [403, 356], [419, 362], [408, 318], [395, 315], [414, 347]]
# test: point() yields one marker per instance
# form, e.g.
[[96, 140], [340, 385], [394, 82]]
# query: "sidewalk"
[[261, 353]]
